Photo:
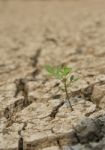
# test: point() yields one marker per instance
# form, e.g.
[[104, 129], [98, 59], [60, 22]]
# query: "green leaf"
[[72, 78], [67, 70], [58, 72], [59, 69], [50, 69]]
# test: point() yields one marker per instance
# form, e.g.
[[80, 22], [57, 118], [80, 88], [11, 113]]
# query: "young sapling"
[[64, 75]]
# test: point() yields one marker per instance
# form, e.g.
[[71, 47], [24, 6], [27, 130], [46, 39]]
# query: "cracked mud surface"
[[33, 115]]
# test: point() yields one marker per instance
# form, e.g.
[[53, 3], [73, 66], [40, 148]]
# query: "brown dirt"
[[35, 33]]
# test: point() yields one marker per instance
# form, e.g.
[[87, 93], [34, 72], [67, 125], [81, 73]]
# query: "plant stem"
[[67, 94]]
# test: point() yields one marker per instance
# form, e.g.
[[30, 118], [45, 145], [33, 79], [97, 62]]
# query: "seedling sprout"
[[64, 74]]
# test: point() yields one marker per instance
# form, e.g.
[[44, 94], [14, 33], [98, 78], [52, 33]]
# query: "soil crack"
[[21, 140], [36, 57], [55, 110]]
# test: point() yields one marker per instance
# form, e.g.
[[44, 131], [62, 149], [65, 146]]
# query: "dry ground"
[[36, 33]]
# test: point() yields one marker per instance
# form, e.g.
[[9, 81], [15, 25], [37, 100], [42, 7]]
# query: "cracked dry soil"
[[33, 115]]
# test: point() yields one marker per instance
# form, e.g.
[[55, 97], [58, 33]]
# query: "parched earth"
[[33, 111]]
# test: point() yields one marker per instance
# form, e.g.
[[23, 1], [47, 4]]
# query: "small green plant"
[[63, 74]]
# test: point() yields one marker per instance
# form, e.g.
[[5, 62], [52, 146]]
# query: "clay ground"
[[36, 33]]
